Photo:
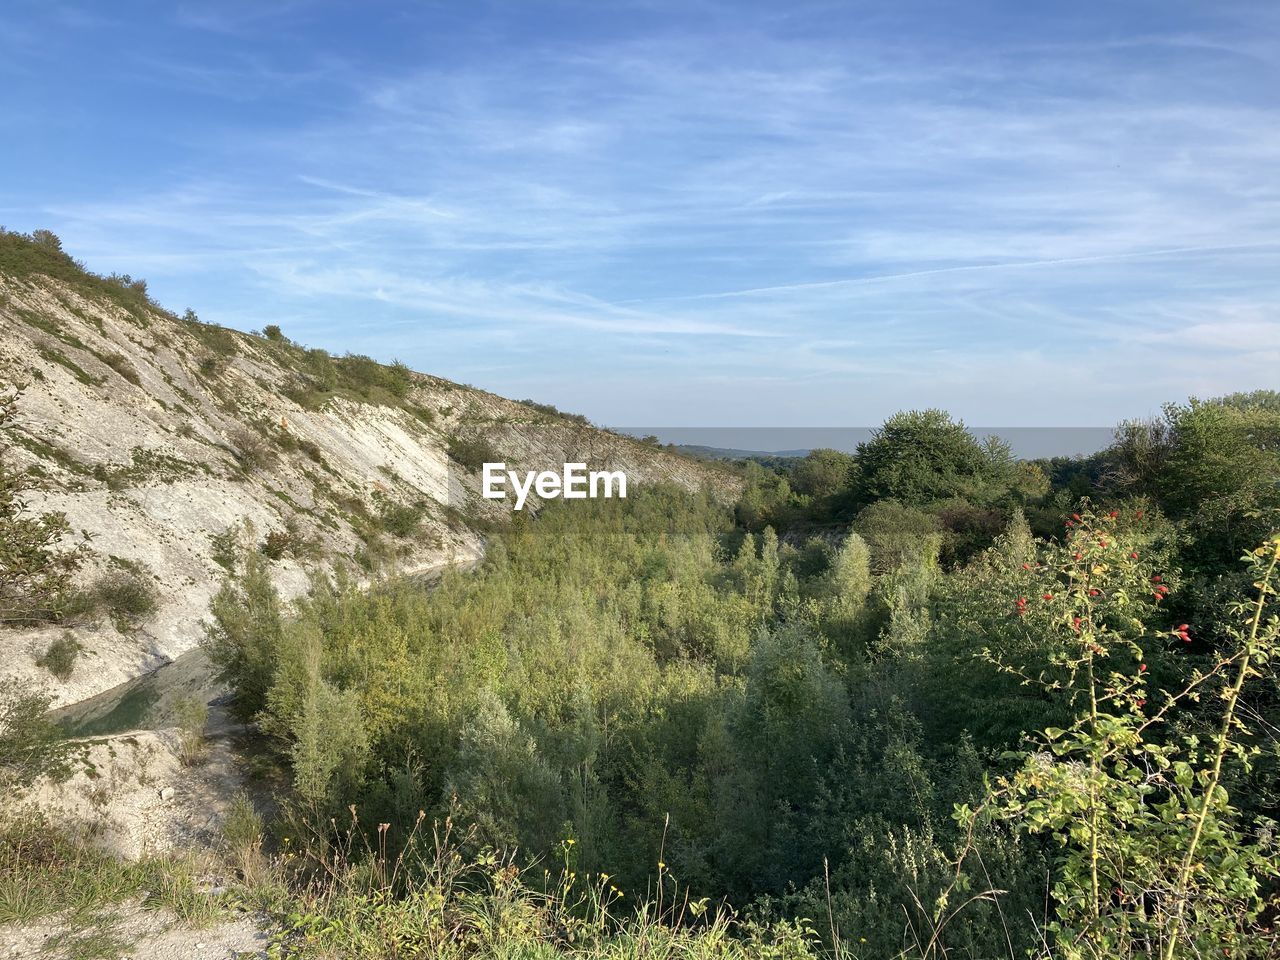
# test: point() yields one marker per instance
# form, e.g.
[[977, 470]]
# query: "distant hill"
[[728, 453]]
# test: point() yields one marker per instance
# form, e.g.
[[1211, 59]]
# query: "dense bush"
[[473, 451], [31, 745], [127, 596], [59, 657], [923, 457], [793, 722], [253, 451]]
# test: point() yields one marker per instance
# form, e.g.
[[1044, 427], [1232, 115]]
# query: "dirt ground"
[[136, 934]]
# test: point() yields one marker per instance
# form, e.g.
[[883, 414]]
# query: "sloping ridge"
[[160, 436]]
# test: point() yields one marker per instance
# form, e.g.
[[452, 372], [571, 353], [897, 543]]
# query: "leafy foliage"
[[31, 745], [36, 569]]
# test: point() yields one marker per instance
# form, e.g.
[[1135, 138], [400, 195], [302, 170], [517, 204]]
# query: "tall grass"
[[357, 897]]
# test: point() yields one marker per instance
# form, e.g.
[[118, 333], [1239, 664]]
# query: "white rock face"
[[154, 469]]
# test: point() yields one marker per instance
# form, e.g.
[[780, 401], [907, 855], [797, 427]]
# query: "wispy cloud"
[[731, 211]]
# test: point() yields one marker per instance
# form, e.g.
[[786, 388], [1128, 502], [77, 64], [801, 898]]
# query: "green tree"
[[922, 457], [243, 639], [897, 533], [823, 474]]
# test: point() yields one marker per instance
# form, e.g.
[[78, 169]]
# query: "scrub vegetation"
[[924, 700]]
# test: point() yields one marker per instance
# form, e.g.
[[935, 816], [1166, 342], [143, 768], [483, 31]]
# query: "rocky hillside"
[[169, 442]]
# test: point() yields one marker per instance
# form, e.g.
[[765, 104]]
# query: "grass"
[[348, 897], [146, 465], [48, 874], [77, 371]]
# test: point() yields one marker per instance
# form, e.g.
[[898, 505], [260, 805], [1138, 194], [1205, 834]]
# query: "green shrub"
[[226, 547], [31, 745], [578, 418], [210, 365], [277, 544], [121, 365], [399, 519], [897, 533], [35, 569], [59, 658], [192, 716], [473, 451], [243, 833], [243, 639], [41, 254], [126, 596], [252, 451]]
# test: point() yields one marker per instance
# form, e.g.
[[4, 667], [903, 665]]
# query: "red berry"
[[1048, 596], [1133, 555], [1142, 668]]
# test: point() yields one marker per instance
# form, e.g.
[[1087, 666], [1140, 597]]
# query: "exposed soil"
[[137, 934]]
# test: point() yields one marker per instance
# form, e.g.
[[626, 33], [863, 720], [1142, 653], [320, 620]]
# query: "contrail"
[[888, 277]]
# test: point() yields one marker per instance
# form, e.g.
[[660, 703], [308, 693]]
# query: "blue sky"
[[685, 213]]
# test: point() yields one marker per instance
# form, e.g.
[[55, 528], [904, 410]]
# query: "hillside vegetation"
[[905, 740], [923, 701], [171, 443]]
